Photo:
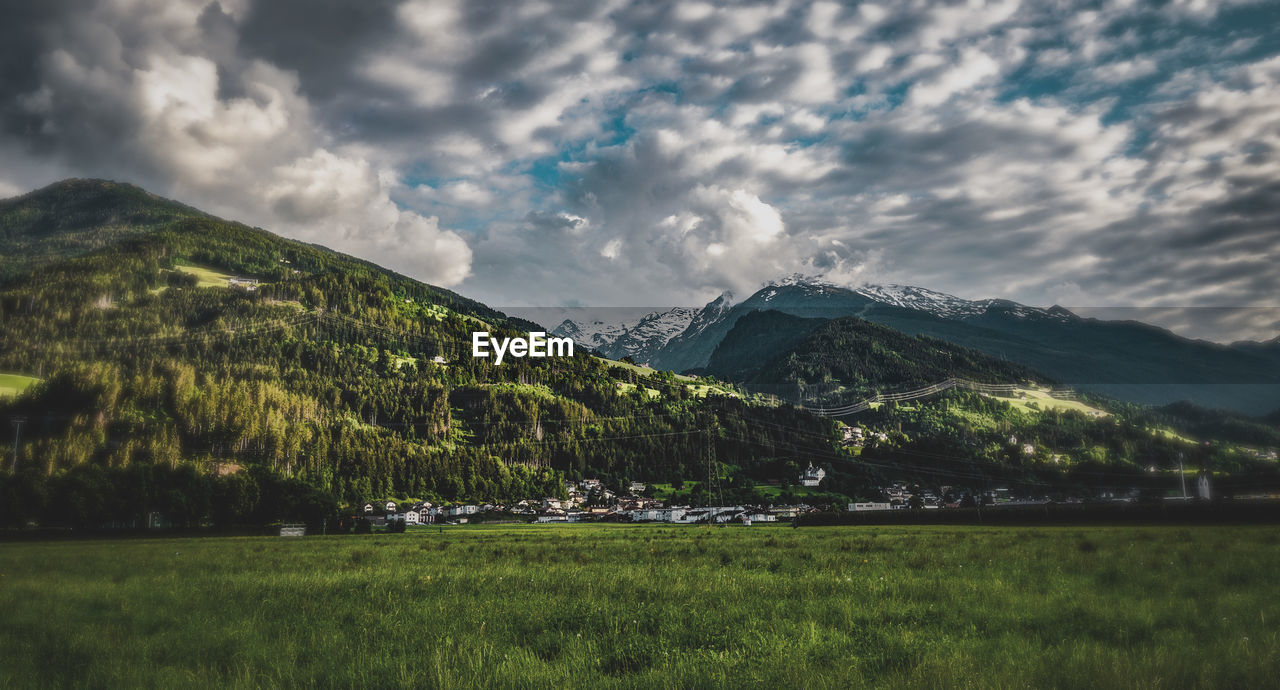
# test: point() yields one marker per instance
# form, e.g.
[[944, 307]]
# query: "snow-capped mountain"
[[939, 304], [651, 332], [921, 299], [711, 313], [595, 335], [947, 306], [899, 306], [1114, 357], [637, 339]]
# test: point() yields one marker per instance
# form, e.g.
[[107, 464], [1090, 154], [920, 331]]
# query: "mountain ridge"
[[1129, 359]]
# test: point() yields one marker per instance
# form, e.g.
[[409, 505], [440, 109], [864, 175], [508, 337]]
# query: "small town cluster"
[[591, 501]]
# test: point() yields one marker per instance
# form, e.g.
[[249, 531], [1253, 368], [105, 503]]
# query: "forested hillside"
[[75, 217], [863, 355], [755, 341], [331, 375], [213, 372]]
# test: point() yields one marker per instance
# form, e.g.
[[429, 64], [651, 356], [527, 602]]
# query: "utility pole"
[[713, 472], [1182, 476], [17, 434]]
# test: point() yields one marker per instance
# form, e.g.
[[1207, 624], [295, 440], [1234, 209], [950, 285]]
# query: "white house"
[[412, 517], [391, 506], [812, 476], [672, 514], [1203, 489], [869, 506]]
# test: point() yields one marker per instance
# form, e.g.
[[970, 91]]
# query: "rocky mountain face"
[[638, 339]]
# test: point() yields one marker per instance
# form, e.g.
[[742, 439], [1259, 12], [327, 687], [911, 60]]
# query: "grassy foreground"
[[650, 606]]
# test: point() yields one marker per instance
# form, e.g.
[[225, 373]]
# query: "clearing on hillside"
[[14, 384], [1024, 396], [206, 277]]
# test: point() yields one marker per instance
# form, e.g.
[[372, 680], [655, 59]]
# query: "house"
[[368, 508], [1203, 489], [722, 514], [669, 514], [694, 515], [439, 360], [636, 487], [712, 514], [390, 506], [812, 476], [249, 284], [412, 517], [858, 507]]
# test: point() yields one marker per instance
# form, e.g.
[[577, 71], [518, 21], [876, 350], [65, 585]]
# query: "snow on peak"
[[922, 299], [593, 334], [950, 306], [801, 279], [629, 337]]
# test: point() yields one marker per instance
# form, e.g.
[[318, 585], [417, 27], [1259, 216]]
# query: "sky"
[[613, 153]]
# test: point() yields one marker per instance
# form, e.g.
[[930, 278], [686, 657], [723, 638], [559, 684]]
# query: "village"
[[589, 500]]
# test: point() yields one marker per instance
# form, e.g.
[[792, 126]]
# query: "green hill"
[[213, 372], [75, 217], [320, 376], [771, 347]]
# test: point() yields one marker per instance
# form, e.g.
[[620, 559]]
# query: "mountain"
[[755, 341], [637, 340], [1127, 359], [772, 348], [75, 217], [211, 371], [594, 335], [217, 373]]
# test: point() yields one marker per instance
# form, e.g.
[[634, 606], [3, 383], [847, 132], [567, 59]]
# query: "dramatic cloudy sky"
[[648, 153]]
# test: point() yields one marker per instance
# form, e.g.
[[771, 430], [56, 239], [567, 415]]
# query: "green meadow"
[[650, 606], [205, 277], [13, 384]]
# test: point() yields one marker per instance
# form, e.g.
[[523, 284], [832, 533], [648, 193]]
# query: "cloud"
[[158, 94], [625, 152]]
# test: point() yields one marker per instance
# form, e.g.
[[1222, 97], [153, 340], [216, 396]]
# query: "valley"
[[221, 376]]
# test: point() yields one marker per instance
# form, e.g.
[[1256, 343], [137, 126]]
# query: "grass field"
[[1047, 402], [699, 390], [13, 384], [650, 606], [206, 277]]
